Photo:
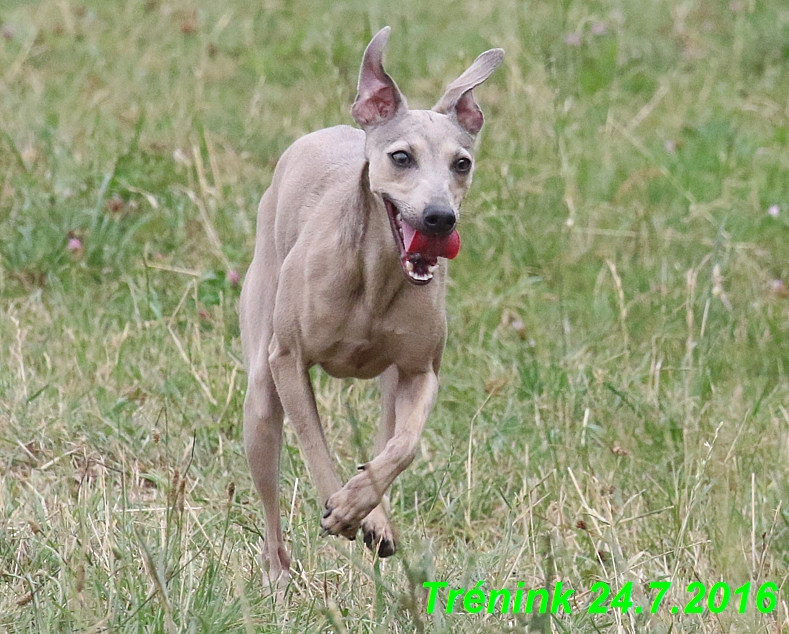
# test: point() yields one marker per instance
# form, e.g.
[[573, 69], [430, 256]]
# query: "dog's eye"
[[462, 165], [401, 159]]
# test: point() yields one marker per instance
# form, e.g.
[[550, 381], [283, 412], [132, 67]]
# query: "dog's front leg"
[[292, 379], [379, 534], [415, 397]]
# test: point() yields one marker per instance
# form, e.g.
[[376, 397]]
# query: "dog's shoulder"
[[321, 161], [336, 144]]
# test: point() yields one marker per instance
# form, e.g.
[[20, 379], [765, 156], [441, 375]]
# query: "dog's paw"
[[332, 525], [276, 572], [379, 535], [346, 509]]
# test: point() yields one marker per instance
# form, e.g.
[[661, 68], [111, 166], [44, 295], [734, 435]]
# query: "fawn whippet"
[[349, 272]]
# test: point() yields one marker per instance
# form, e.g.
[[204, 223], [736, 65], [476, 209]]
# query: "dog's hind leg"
[[293, 385], [379, 535], [263, 416]]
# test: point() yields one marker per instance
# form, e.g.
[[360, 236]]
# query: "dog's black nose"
[[439, 220]]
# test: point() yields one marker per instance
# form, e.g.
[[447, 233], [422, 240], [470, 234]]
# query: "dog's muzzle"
[[420, 249]]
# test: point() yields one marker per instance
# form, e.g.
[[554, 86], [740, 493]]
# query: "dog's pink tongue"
[[430, 246]]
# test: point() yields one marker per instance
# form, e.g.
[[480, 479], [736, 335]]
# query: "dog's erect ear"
[[378, 98], [459, 101]]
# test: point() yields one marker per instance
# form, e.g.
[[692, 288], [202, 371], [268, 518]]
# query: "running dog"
[[349, 273]]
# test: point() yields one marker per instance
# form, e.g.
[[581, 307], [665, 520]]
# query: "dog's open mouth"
[[419, 252]]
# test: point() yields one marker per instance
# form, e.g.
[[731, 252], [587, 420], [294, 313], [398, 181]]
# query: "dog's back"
[[325, 163]]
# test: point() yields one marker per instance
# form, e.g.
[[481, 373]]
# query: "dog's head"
[[420, 161]]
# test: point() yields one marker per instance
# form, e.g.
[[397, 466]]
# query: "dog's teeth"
[[399, 217], [409, 266], [432, 268]]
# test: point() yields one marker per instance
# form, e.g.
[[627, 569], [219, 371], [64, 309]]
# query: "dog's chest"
[[360, 344]]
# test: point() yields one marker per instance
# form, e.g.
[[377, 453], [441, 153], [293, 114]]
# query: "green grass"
[[614, 403]]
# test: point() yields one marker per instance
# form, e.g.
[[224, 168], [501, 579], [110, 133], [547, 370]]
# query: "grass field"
[[614, 402]]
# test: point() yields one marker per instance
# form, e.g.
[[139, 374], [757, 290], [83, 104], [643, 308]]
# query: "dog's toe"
[[379, 535], [380, 545], [331, 524], [347, 531]]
